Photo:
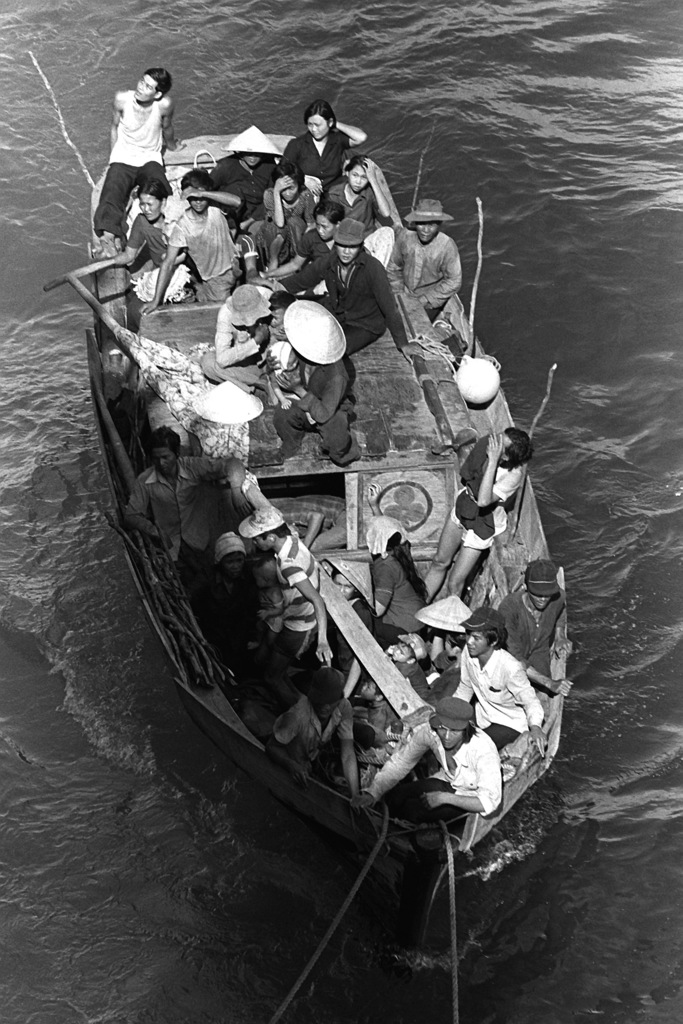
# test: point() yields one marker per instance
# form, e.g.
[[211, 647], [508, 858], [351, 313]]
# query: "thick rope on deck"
[[282, 1009], [62, 124], [454, 931]]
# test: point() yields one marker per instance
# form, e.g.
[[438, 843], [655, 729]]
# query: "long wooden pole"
[[534, 424], [480, 260]]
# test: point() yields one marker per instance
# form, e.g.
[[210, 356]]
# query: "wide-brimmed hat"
[[263, 520], [252, 140], [541, 578], [379, 530], [248, 304], [427, 211], [327, 686], [357, 573], [227, 403], [314, 333], [226, 544], [484, 618], [349, 232], [447, 614], [454, 713]]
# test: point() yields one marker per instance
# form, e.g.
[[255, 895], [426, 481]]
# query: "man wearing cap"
[[464, 769], [531, 618], [425, 262], [202, 234], [227, 606], [241, 336], [319, 342], [167, 504], [247, 172], [506, 703], [305, 616], [312, 722]]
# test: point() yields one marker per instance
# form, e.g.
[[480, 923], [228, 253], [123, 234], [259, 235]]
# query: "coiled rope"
[[282, 1009], [454, 932]]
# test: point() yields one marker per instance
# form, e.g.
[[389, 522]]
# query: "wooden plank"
[[351, 487], [419, 497]]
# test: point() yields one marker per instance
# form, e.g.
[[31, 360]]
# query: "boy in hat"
[[506, 703], [241, 336], [319, 342], [531, 616], [313, 721], [305, 616], [425, 262], [247, 172], [201, 233], [464, 769]]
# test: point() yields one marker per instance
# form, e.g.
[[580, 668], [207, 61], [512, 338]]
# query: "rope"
[[454, 933], [65, 133], [480, 257], [335, 923]]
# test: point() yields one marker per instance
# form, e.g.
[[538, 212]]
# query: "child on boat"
[[289, 208], [361, 194]]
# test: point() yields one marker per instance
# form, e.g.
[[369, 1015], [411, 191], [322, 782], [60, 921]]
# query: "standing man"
[[531, 616], [141, 128], [426, 262]]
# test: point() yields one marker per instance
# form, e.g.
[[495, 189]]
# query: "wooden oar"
[[91, 268], [123, 336]]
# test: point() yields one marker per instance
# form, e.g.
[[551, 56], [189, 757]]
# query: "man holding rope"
[[142, 127]]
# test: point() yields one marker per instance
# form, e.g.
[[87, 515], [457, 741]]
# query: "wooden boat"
[[407, 423]]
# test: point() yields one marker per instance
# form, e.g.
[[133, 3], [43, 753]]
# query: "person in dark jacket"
[[318, 340]]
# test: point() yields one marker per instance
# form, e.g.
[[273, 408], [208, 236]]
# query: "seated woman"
[[399, 590], [361, 194], [464, 773], [316, 244], [321, 151], [491, 476], [289, 209]]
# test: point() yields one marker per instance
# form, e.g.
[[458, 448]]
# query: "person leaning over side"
[[141, 129], [241, 337], [507, 705], [425, 262], [312, 722], [531, 617], [464, 773]]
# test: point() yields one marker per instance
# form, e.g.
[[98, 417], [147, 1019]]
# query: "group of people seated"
[[284, 242]]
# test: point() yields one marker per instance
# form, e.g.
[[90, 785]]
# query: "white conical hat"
[[252, 141], [314, 333], [357, 573], [448, 614], [227, 403]]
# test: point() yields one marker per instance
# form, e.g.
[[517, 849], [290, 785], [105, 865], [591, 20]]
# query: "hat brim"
[[227, 403], [447, 615], [355, 574], [426, 218], [455, 724], [543, 589], [247, 529]]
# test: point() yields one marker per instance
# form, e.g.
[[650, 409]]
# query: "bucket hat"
[[226, 544], [248, 304], [228, 403], [263, 520], [541, 578], [327, 686], [357, 573], [379, 530], [426, 212], [349, 232], [448, 614], [314, 333], [252, 140], [452, 712]]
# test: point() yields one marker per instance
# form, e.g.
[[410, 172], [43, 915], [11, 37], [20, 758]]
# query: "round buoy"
[[478, 380]]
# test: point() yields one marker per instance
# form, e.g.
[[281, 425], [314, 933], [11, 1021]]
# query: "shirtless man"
[[141, 128]]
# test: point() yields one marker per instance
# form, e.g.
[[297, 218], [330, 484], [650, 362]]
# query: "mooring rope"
[[454, 933], [335, 923], [62, 124]]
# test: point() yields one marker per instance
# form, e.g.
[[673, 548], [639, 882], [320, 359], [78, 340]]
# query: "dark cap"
[[483, 618], [327, 686], [541, 578], [349, 232], [452, 712]]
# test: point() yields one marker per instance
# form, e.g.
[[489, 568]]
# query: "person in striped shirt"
[[305, 616]]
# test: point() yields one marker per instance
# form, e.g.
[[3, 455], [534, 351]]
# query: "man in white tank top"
[[142, 127]]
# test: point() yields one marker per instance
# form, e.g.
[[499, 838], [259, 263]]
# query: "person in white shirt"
[[507, 705]]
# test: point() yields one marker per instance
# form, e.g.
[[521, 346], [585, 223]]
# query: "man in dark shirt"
[[247, 172]]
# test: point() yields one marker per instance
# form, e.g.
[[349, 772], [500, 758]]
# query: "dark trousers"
[[502, 734], [404, 801], [358, 338], [291, 424], [110, 214]]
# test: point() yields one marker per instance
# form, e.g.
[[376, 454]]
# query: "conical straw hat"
[[227, 403], [252, 140], [357, 573], [314, 333], [448, 614]]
